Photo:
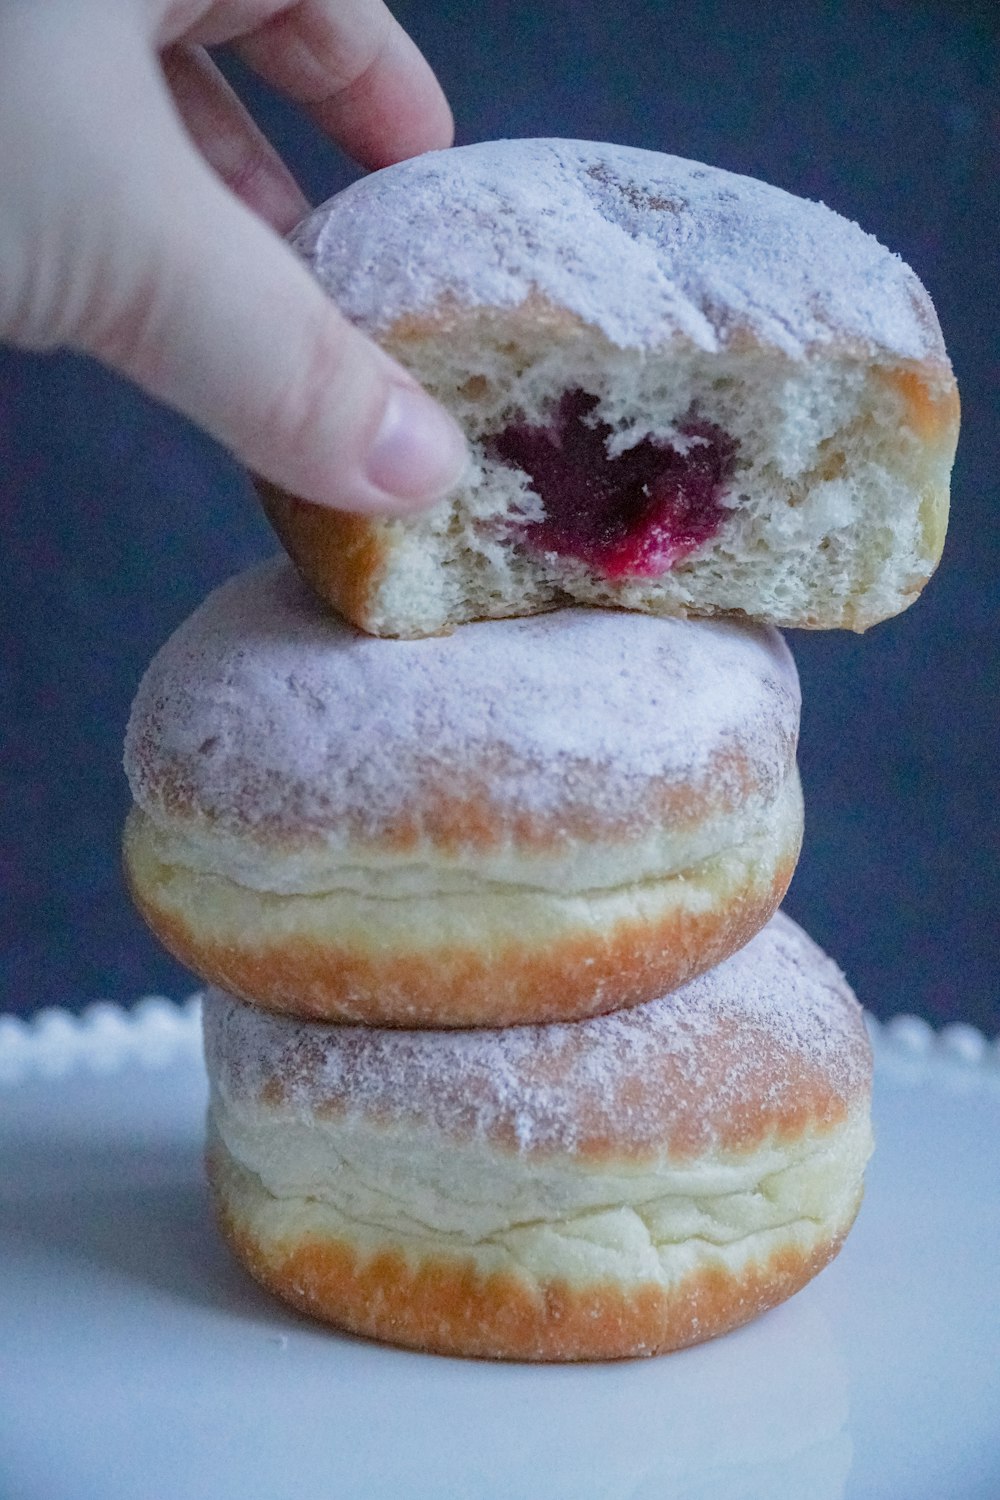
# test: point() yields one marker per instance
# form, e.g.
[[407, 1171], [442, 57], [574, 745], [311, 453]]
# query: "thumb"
[[207, 309]]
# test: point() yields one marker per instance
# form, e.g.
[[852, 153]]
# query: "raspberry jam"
[[631, 515]]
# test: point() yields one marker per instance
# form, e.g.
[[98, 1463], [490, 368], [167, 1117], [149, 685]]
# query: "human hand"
[[140, 220]]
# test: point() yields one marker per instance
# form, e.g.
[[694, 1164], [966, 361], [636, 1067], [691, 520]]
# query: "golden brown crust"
[[458, 810], [444, 1305], [537, 316], [930, 401], [342, 557], [569, 978]]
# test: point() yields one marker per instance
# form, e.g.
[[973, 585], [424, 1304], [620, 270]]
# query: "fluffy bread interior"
[[835, 512]]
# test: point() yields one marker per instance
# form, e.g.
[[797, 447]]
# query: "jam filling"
[[633, 514]]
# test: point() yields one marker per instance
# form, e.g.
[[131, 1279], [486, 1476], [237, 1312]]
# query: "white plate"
[[137, 1362]]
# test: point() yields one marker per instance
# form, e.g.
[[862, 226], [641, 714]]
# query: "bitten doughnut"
[[528, 820], [685, 392], [622, 1186]]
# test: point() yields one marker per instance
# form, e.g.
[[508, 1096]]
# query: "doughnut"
[[619, 1186], [685, 392], [527, 820]]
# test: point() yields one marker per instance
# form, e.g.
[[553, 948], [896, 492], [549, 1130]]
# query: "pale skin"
[[142, 215]]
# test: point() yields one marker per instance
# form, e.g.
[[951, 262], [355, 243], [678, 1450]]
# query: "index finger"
[[358, 75]]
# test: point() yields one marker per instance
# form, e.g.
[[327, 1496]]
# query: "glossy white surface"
[[138, 1362]]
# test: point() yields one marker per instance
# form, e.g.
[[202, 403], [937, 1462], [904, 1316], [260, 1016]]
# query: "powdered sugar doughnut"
[[528, 820], [685, 392], [621, 1186]]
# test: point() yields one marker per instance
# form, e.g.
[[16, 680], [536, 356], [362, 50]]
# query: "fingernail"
[[419, 451]]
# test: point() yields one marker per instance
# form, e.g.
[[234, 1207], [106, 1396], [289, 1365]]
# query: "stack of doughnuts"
[[511, 1053]]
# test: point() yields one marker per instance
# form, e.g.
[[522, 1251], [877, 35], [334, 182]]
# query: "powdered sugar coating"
[[767, 1039], [641, 245], [266, 712]]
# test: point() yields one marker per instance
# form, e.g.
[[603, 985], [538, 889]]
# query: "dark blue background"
[[118, 517]]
